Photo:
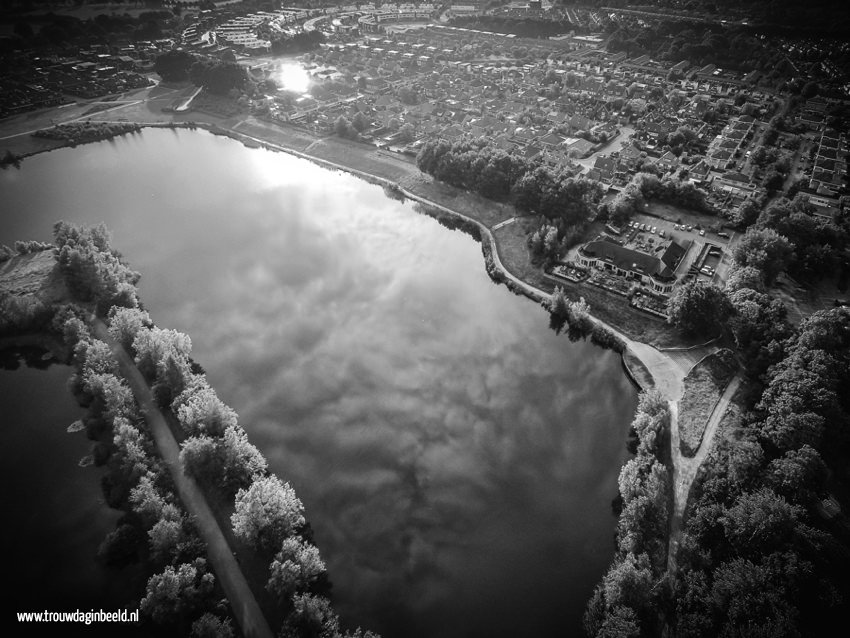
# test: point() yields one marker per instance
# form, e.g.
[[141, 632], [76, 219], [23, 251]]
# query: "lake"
[[457, 459], [54, 512]]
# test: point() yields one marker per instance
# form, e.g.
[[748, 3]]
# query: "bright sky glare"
[[292, 77]]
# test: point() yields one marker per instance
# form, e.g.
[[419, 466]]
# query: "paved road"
[[248, 614]]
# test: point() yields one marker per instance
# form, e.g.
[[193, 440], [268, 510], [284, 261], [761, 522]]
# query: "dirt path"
[[685, 469], [248, 614]]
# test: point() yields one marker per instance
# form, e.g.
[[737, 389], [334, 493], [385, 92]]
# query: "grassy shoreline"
[[512, 263]]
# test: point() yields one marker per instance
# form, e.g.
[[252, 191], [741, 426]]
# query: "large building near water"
[[658, 271]]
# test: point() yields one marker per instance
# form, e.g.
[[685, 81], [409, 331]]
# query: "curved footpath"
[[248, 614]]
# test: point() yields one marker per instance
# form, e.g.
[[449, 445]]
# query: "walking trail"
[[245, 607], [685, 468]]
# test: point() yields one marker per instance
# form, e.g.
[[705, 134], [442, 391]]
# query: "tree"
[[223, 77], [149, 504], [294, 568], [753, 599], [112, 397], [92, 269], [125, 324], [360, 122], [173, 66], [121, 547], [620, 622], [242, 462], [406, 133], [200, 458], [164, 539], [698, 308], [809, 90], [132, 451], [628, 582], [799, 475], [747, 213], [773, 181], [760, 521], [97, 358], [744, 277], [200, 411], [227, 463], [311, 617], [177, 593], [766, 250], [344, 128], [266, 513], [759, 326], [211, 626], [153, 346]]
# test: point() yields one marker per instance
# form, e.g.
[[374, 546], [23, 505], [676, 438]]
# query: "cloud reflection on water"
[[457, 459]]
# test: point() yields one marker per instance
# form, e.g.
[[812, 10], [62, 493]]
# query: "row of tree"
[[626, 602], [215, 450], [154, 529], [268, 516], [478, 166]]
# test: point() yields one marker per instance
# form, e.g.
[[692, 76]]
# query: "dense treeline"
[[522, 27], [298, 43], [566, 203], [217, 76], [82, 132], [52, 30], [646, 186], [626, 603], [757, 551], [478, 166], [813, 246], [154, 529], [94, 272]]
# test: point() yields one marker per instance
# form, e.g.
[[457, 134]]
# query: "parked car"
[[661, 233], [722, 234], [654, 229], [702, 233], [690, 227]]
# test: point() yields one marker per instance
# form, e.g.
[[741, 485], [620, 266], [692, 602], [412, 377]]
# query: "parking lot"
[[645, 228]]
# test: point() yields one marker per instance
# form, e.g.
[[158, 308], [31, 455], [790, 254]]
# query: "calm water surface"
[[53, 510], [457, 459]]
